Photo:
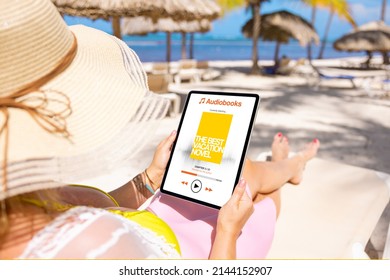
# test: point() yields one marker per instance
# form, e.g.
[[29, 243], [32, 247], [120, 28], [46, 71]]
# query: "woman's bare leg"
[[280, 150], [266, 178]]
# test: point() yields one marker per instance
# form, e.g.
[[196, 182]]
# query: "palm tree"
[[281, 26], [385, 55], [383, 11], [339, 7], [255, 6]]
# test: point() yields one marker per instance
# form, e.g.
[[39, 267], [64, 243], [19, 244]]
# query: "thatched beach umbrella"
[[374, 25], [184, 16], [105, 9], [145, 25], [365, 40], [209, 12], [281, 26], [155, 9], [370, 37]]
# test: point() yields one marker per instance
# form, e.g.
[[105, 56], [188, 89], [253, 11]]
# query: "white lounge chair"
[[331, 214], [187, 71], [207, 73], [322, 76], [158, 83], [160, 68], [376, 86]]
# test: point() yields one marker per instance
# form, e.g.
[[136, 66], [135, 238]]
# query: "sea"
[[153, 47], [207, 46]]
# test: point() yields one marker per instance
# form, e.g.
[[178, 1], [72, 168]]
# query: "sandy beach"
[[352, 126]]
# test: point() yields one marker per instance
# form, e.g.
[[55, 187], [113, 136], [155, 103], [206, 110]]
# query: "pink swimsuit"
[[194, 224]]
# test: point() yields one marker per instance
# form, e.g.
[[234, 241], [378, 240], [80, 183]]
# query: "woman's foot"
[[302, 158], [280, 147]]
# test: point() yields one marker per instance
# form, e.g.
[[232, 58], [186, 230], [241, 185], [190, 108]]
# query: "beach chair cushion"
[[160, 67], [159, 83]]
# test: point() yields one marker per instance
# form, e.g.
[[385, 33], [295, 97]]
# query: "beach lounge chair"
[[160, 68], [187, 71], [288, 66], [207, 73], [377, 86], [331, 214], [321, 76], [159, 83]]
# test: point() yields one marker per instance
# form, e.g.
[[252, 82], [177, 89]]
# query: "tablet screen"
[[207, 157]]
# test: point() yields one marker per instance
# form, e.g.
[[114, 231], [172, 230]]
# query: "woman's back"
[[73, 235]]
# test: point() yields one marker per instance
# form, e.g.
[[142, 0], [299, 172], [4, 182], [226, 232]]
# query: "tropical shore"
[[352, 125]]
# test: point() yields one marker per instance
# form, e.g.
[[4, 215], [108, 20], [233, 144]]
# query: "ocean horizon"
[[213, 46], [152, 48]]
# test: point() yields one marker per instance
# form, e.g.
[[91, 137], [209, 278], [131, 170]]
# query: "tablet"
[[212, 139]]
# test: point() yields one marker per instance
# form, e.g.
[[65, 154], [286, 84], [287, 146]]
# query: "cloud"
[[364, 13]]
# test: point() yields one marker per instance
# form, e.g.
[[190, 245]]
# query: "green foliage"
[[340, 7], [228, 5]]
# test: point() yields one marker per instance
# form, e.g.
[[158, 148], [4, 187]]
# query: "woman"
[[40, 215], [72, 100]]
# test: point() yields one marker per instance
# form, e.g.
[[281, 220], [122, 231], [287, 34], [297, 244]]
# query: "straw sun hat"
[[70, 98]]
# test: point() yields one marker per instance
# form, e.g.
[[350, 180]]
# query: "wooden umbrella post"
[[169, 51], [116, 27]]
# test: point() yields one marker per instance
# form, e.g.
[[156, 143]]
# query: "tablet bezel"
[[245, 146]]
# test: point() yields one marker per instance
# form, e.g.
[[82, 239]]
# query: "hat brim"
[[103, 100], [112, 113]]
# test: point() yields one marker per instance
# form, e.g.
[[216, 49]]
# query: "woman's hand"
[[157, 168], [231, 219], [236, 212]]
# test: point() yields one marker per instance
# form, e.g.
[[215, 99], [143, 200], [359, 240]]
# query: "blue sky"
[[230, 25], [362, 10]]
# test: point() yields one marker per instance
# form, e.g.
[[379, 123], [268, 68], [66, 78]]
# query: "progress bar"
[[201, 176]]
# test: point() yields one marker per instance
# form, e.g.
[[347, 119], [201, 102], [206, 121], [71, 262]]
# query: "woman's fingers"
[[166, 144], [238, 191]]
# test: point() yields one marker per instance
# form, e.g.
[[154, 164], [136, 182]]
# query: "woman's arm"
[[231, 219], [133, 193], [224, 246], [142, 186]]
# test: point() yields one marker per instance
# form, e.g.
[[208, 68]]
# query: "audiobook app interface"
[[209, 147]]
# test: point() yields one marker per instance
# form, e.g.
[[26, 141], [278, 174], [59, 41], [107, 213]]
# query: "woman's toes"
[[280, 147]]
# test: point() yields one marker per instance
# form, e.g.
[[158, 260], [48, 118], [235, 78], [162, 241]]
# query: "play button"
[[196, 186]]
